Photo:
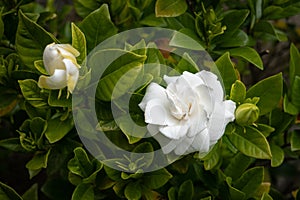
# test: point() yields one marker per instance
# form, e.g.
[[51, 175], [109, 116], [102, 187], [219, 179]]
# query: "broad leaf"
[[57, 129], [133, 191], [81, 164], [269, 92], [156, 179], [83, 191], [248, 54], [85, 7], [295, 141], [8, 193], [170, 8], [31, 193], [294, 63], [40, 160], [79, 42], [277, 155], [186, 190]]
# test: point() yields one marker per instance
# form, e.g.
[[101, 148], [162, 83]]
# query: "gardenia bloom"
[[60, 63], [189, 115]]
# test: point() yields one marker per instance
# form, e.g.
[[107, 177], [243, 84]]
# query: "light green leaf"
[[186, 190], [288, 106], [212, 158], [83, 191], [248, 54], [152, 20], [269, 92], [31, 39], [250, 181], [251, 142], [8, 193], [156, 179], [277, 155], [184, 39], [238, 92], [170, 8], [227, 71], [186, 64], [57, 129], [266, 196], [79, 42], [39, 161], [39, 65], [97, 26], [133, 191], [295, 141], [133, 132], [81, 164]]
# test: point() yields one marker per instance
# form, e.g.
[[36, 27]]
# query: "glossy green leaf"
[[238, 92], [294, 63], [212, 158], [235, 194], [280, 120], [186, 190], [295, 141], [248, 54], [59, 98], [57, 129], [185, 39], [265, 129], [288, 106], [39, 65], [79, 42], [157, 179], [152, 20], [251, 142], [31, 193], [97, 26], [239, 163], [187, 64], [227, 71], [277, 155], [250, 181], [81, 164], [295, 92], [269, 92], [235, 39], [83, 191], [39, 161], [277, 12], [264, 27], [31, 39], [133, 191], [233, 19], [170, 8], [32, 93], [8, 193]]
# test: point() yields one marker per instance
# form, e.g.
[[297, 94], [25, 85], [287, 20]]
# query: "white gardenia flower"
[[60, 63], [189, 115]]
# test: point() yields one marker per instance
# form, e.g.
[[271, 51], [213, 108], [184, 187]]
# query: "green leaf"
[[265, 129], [9, 100], [97, 26], [39, 161], [233, 19], [81, 164], [39, 65], [79, 42], [133, 191], [32, 93], [184, 39], [264, 27], [279, 12], [227, 71], [269, 92], [172, 194], [31, 39], [295, 141], [59, 98], [238, 164], [85, 7], [248, 54], [212, 158], [156, 179], [170, 8], [186, 64], [8, 193], [250, 181], [251, 142], [235, 194], [288, 106], [277, 155], [235, 39], [238, 92], [294, 63], [1, 26], [186, 190], [57, 129], [12, 144], [295, 92], [31, 193], [83, 191], [266, 196], [152, 20]]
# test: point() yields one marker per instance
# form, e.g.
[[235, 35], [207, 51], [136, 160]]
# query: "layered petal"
[[57, 81], [72, 74]]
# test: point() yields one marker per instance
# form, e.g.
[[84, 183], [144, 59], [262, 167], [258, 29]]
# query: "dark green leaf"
[[250, 181], [235, 194], [8, 193], [170, 8], [186, 190], [264, 27], [85, 7], [57, 129], [81, 164], [97, 26], [295, 141], [277, 155], [133, 191], [269, 92], [39, 161], [31, 193], [295, 92], [294, 63], [59, 98], [31, 39], [156, 179], [12, 144], [233, 19], [83, 191], [248, 54]]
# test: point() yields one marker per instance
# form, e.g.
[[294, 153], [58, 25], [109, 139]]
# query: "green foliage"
[[258, 149]]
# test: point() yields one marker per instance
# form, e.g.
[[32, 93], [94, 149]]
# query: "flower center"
[[178, 108]]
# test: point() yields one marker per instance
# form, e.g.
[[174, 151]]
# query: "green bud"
[[246, 114]]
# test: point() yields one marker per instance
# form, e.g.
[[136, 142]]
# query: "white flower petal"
[[174, 132], [183, 147], [201, 141], [153, 91], [67, 49], [57, 81], [153, 129], [72, 74], [211, 81], [52, 59], [170, 79]]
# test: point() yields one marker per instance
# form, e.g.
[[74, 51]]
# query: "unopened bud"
[[246, 114]]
